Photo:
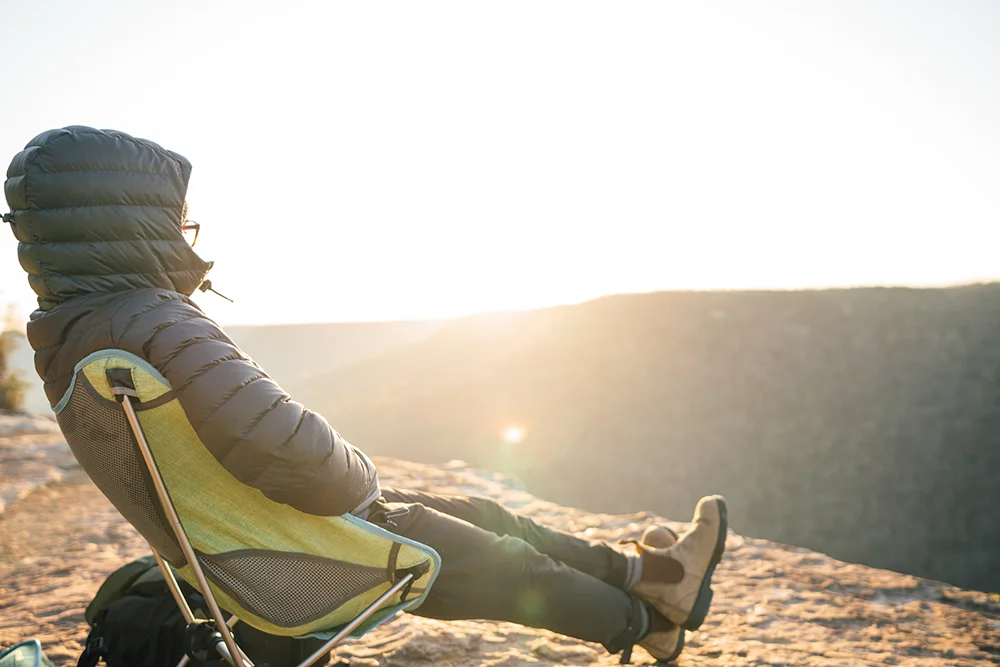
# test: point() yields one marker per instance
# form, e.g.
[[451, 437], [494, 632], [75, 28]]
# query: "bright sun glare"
[[513, 434]]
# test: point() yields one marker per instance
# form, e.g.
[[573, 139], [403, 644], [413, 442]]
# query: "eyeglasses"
[[189, 225]]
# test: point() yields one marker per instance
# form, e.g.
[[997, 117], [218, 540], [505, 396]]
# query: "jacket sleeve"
[[250, 425]]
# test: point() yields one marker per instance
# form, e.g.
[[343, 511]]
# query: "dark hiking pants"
[[500, 566]]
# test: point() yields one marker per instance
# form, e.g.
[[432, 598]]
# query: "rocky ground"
[[774, 604]]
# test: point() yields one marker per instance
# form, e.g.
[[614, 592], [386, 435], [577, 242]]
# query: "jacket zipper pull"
[[207, 287]]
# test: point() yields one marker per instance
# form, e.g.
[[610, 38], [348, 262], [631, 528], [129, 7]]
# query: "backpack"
[[135, 622]]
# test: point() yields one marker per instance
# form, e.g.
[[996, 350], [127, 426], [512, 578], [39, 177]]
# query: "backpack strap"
[[95, 648]]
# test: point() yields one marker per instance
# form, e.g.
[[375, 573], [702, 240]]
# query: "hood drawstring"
[[207, 287], [8, 217]]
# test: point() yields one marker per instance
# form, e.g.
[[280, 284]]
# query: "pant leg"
[[488, 576], [594, 557]]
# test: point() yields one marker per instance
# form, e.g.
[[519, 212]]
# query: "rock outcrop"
[[774, 604]]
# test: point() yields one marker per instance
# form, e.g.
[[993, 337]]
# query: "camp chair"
[[282, 571]]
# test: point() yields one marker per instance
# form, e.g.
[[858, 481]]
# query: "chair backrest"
[[281, 570]]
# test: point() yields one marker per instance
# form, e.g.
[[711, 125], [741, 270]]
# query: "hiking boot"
[[677, 579], [665, 640]]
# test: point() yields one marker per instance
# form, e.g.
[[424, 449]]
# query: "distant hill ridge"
[[862, 423], [292, 352], [287, 352]]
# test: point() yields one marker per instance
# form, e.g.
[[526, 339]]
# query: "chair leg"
[[352, 626], [175, 589], [230, 651]]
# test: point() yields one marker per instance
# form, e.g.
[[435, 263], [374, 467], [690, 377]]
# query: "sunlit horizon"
[[444, 315], [401, 161]]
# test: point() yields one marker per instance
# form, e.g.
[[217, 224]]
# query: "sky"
[[404, 160]]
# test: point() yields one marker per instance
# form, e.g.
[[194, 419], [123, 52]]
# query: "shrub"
[[12, 387]]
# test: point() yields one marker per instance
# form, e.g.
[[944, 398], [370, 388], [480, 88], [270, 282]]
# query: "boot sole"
[[674, 655], [704, 599]]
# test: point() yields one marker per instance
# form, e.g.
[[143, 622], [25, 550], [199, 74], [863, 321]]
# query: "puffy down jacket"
[[98, 218]]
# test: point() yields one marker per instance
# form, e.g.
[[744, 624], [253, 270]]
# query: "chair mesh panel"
[[289, 589], [101, 439]]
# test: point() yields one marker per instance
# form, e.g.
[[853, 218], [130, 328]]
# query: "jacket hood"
[[100, 211]]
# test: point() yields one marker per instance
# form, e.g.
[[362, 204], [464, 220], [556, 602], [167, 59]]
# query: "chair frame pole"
[[235, 656]]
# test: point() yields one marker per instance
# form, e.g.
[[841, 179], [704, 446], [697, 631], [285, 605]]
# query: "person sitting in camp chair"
[[100, 219]]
